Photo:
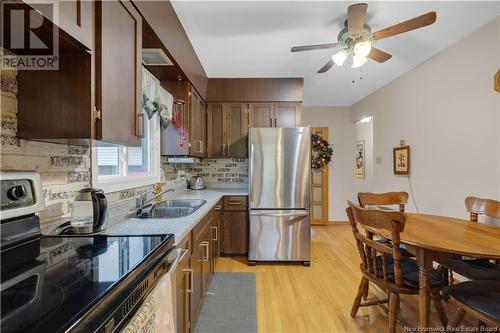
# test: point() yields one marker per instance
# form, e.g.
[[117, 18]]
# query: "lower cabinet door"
[[184, 276], [235, 232], [206, 259], [196, 289]]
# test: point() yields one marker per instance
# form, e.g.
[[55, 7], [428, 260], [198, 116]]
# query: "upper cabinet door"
[[197, 128], [287, 114], [236, 128], [260, 115], [76, 18], [215, 131], [118, 72]]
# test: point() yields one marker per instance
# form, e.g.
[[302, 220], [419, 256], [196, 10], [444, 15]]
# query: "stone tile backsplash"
[[216, 173]]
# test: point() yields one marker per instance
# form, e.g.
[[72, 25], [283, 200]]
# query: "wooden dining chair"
[[478, 298], [383, 199], [399, 199], [384, 265], [475, 269]]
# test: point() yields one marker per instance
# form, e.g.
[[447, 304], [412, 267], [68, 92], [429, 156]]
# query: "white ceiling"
[[253, 39]]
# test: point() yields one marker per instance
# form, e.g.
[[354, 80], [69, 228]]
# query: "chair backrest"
[[478, 206], [373, 220], [382, 199]]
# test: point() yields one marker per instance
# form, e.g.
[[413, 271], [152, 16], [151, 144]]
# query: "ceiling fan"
[[356, 38]]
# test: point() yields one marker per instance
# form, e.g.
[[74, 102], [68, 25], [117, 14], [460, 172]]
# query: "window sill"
[[131, 182]]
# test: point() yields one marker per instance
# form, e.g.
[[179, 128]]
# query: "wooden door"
[[286, 114], [236, 129], [76, 17], [118, 72], [260, 115], [183, 286], [319, 182], [235, 232], [197, 128], [215, 135]]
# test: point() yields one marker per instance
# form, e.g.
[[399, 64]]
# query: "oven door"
[[157, 313]]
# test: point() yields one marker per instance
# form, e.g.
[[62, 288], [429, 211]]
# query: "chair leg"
[[365, 294], [363, 285], [458, 318], [393, 311], [438, 304]]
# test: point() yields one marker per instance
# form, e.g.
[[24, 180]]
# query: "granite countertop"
[[181, 226]]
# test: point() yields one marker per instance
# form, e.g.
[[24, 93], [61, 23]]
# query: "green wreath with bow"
[[322, 152]]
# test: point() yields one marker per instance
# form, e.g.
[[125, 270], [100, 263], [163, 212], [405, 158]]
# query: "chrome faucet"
[[142, 199]]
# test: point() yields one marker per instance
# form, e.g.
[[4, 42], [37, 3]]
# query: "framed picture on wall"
[[360, 159], [401, 160]]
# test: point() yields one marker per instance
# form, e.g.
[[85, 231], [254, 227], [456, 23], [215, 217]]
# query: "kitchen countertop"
[[180, 226]]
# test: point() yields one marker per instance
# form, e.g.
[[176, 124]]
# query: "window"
[[116, 167]]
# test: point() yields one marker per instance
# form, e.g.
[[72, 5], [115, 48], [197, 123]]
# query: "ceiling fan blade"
[[412, 24], [379, 55], [327, 66], [313, 47], [356, 15]]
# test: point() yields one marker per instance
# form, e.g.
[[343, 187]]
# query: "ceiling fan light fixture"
[[339, 57], [358, 61], [362, 48]]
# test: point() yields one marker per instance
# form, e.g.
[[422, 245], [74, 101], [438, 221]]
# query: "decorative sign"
[[360, 159], [401, 160]]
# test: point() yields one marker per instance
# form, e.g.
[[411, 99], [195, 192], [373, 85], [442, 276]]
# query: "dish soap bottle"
[[158, 191]]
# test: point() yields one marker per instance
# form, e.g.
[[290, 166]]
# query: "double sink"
[[170, 209]]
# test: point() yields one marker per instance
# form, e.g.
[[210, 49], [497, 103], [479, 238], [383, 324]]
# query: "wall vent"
[[155, 57]]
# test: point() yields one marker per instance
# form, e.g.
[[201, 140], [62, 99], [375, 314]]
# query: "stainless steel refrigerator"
[[279, 194]]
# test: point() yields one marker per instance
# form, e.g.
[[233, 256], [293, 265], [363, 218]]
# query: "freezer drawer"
[[279, 235]]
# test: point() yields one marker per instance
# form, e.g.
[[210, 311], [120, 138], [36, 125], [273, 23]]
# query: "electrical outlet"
[[378, 160]]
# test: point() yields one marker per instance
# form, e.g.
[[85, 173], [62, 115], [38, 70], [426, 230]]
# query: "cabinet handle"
[[223, 149], [191, 279], [217, 208], [235, 203], [216, 232], [275, 123], [139, 125], [227, 149], [270, 122], [207, 250]]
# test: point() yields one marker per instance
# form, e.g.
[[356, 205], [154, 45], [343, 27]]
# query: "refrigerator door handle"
[[260, 213]]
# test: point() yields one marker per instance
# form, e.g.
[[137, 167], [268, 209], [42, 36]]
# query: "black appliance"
[[78, 283], [90, 212]]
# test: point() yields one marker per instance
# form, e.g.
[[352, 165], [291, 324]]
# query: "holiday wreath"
[[322, 152]]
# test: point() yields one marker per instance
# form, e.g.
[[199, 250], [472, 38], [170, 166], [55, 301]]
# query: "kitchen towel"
[[150, 99], [166, 102]]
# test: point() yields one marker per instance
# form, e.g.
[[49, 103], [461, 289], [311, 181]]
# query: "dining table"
[[431, 238]]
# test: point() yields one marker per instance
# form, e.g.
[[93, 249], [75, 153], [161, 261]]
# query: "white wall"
[[342, 134], [364, 132], [448, 112]]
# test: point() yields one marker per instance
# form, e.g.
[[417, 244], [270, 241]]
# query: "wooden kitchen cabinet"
[[235, 226], [98, 91], [118, 72], [260, 114], [215, 135], [198, 124], [183, 289], [286, 114], [227, 130]]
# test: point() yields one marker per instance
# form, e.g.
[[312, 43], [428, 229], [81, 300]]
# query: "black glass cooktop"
[[50, 283]]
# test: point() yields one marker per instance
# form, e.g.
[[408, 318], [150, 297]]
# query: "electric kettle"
[[196, 183], [89, 214]]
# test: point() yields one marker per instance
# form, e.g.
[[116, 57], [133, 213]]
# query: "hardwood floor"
[[293, 298]]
